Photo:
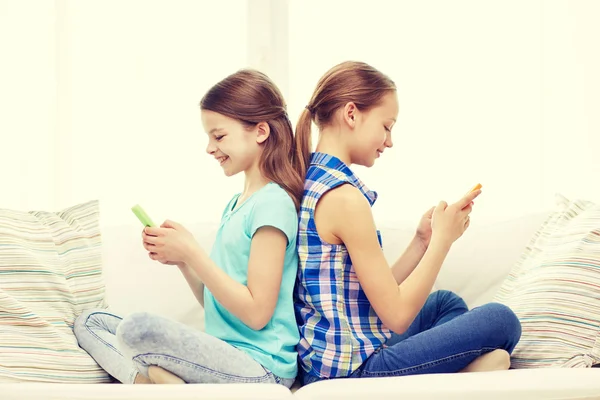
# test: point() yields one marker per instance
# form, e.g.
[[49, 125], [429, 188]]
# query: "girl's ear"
[[349, 114], [263, 130]]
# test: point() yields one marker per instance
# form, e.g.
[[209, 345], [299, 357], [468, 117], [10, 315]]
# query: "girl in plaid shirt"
[[357, 316]]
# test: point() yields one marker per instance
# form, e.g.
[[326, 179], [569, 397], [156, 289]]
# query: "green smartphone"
[[142, 216]]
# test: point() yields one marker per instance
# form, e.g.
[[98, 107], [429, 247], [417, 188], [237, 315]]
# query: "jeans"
[[444, 337], [126, 347]]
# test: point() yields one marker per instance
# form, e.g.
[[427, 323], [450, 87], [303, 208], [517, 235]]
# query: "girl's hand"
[[178, 263], [449, 222], [170, 244], [424, 229], [145, 244]]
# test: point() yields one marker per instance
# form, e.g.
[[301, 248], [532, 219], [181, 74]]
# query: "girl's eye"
[[218, 138]]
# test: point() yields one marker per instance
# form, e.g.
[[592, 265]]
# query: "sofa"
[[476, 268]]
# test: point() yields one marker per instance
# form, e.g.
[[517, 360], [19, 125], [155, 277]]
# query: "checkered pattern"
[[339, 329]]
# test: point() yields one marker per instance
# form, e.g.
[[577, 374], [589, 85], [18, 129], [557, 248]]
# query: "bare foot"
[[496, 360], [140, 379], [159, 375]]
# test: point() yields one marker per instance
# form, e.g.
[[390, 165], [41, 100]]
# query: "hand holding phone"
[[142, 216]]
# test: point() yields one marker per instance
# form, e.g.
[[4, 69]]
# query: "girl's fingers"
[[468, 198]]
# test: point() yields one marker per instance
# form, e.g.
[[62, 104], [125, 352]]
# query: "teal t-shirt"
[[274, 346]]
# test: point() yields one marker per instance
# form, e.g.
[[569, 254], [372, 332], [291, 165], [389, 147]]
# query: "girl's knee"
[[135, 328], [449, 297], [506, 322], [128, 328], [447, 294]]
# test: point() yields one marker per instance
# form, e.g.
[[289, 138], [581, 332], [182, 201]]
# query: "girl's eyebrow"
[[215, 130]]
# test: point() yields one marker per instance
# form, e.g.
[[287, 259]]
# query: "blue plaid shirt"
[[339, 329]]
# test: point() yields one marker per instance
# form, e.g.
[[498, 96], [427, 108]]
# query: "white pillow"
[[51, 271], [554, 289]]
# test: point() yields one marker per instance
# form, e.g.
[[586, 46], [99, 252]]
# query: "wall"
[[100, 100]]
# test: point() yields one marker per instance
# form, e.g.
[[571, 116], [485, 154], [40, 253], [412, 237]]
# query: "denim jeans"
[[126, 347], [444, 337]]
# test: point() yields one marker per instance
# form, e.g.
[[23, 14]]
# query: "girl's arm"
[[193, 281], [397, 306], [409, 260], [255, 302]]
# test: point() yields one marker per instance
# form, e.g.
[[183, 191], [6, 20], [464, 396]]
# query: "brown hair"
[[350, 81], [250, 97]]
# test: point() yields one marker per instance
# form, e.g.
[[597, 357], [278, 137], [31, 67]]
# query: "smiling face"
[[235, 146], [373, 131]]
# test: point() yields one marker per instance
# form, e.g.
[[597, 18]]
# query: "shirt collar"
[[332, 162]]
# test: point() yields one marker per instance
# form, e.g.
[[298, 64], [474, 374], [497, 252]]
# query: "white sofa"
[[475, 268]]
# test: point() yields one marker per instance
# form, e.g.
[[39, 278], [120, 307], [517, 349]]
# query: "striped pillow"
[[50, 271], [554, 289]]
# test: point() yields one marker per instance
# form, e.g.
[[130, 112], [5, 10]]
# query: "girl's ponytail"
[[350, 81], [303, 145]]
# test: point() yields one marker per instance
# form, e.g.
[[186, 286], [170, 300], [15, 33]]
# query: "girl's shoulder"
[[319, 175], [273, 194], [274, 207]]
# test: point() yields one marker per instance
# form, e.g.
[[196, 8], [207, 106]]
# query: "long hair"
[[350, 81], [250, 97]]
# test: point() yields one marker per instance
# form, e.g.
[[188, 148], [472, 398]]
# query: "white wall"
[[489, 92], [27, 104], [100, 99], [571, 97], [133, 73]]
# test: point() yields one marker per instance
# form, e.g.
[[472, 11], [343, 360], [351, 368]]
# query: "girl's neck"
[[330, 142], [254, 181]]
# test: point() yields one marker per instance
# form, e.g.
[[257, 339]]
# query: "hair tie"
[[310, 109]]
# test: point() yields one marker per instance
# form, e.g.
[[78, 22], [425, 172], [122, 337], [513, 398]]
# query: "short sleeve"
[[277, 210]]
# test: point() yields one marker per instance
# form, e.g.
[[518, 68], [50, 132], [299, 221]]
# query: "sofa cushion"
[[544, 383], [51, 271], [479, 262], [554, 289], [136, 283]]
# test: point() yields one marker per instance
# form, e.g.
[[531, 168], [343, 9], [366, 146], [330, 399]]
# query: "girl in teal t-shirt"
[[246, 283]]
